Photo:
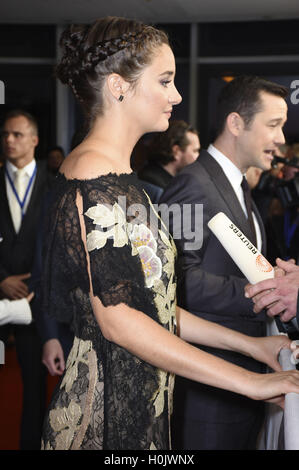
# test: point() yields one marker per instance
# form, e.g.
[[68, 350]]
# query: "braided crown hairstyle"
[[109, 45]]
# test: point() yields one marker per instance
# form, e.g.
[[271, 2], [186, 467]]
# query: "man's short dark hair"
[[242, 96], [160, 150], [20, 112]]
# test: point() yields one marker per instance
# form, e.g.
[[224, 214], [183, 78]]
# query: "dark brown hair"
[[242, 96], [163, 142], [109, 45]]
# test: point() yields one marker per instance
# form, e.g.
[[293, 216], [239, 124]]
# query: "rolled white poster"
[[251, 262]]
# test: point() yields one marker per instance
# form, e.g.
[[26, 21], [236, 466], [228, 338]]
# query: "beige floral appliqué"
[[65, 421], [112, 220], [144, 243]]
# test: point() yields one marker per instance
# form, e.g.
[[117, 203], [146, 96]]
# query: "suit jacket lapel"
[[223, 186], [228, 194]]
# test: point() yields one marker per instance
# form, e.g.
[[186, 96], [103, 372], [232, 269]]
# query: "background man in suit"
[[169, 152], [23, 181], [251, 114]]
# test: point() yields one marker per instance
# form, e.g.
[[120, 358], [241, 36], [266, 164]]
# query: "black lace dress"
[[108, 398]]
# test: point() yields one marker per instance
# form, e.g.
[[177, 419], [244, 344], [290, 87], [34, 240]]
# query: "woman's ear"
[[117, 86]]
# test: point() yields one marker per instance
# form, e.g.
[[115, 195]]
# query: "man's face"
[[191, 152], [19, 140], [257, 142]]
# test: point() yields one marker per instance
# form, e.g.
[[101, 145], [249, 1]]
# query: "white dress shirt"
[[11, 169], [15, 311], [235, 178]]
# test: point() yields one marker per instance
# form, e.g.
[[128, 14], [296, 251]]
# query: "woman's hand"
[[267, 349], [273, 387]]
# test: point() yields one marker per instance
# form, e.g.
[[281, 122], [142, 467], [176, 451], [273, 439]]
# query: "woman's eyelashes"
[[165, 83]]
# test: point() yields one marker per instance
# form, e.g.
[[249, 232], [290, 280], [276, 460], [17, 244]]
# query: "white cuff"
[[15, 311]]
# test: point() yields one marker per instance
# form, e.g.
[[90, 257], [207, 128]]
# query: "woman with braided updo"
[[109, 262]]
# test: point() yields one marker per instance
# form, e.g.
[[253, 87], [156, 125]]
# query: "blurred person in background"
[[55, 158], [170, 152], [253, 175], [264, 193], [23, 182]]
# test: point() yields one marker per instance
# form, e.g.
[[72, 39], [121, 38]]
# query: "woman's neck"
[[116, 139]]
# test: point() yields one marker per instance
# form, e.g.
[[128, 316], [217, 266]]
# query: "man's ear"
[[235, 123], [117, 85], [176, 151], [35, 140]]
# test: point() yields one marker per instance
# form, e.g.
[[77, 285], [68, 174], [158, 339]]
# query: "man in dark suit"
[[251, 113], [23, 181]]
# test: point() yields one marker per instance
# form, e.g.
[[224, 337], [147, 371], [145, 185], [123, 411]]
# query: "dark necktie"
[[247, 199]]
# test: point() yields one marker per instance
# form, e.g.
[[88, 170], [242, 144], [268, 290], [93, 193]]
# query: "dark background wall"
[[28, 56]]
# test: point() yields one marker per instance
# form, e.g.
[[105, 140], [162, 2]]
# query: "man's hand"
[[53, 357], [14, 288], [279, 295]]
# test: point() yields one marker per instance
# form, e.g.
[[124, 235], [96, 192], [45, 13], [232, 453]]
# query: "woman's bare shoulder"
[[86, 164]]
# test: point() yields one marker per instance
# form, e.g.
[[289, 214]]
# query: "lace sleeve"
[[116, 270]]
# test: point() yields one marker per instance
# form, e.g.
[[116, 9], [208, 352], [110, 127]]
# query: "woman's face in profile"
[[155, 94]]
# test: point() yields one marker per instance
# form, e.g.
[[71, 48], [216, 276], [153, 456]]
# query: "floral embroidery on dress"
[[141, 235], [65, 422], [77, 354], [151, 265], [144, 243], [114, 220], [159, 399], [166, 294]]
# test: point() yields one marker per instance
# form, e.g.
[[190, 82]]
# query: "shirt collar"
[[232, 172], [11, 168]]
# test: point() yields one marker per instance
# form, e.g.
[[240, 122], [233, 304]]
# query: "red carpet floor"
[[11, 400]]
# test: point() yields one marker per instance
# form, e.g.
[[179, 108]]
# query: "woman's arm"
[[199, 331], [146, 339]]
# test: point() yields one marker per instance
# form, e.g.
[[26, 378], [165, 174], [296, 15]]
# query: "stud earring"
[[121, 97]]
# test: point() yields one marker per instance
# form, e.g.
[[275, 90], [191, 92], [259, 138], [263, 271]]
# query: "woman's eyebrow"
[[168, 73]]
